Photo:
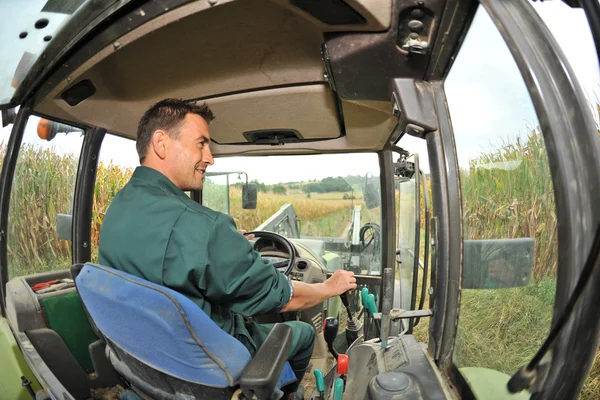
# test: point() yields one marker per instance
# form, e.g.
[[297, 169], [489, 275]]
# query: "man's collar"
[[157, 178]]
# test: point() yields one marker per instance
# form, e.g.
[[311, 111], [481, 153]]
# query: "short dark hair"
[[168, 115]]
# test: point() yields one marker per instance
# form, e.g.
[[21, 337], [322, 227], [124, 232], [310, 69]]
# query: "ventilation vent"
[[301, 265], [273, 136], [331, 12], [78, 93]]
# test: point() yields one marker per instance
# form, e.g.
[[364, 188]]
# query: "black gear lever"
[[345, 299], [353, 325], [330, 333]]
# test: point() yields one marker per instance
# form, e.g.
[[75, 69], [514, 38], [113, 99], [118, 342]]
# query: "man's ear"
[[160, 141]]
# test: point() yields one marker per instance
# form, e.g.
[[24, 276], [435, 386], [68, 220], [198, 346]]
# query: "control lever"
[[320, 382], [338, 389], [342, 367], [345, 300], [353, 325], [373, 310], [331, 330], [364, 298], [386, 306]]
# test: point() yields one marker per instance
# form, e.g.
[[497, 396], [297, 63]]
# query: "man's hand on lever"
[[309, 295], [341, 281]]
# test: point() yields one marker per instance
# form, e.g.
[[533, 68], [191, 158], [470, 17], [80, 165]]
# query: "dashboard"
[[308, 267], [269, 245]]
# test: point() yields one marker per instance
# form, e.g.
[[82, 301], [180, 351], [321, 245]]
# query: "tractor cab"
[[444, 151]]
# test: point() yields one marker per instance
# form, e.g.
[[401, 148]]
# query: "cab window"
[[330, 199], [42, 199], [117, 161], [508, 211]]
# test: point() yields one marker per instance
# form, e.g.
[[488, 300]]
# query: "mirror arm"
[[400, 151]]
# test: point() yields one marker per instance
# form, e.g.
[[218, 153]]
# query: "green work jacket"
[[153, 230]]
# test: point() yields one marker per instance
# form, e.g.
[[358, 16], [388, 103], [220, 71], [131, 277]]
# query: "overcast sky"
[[489, 104]]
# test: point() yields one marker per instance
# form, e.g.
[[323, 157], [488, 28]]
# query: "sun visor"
[[275, 116]]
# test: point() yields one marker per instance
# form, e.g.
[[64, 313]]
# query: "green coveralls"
[[153, 230]]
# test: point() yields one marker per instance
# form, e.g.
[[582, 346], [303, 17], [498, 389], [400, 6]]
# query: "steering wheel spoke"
[[289, 264], [281, 264]]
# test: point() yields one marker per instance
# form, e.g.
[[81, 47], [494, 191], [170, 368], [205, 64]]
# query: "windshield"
[[329, 203], [27, 28]]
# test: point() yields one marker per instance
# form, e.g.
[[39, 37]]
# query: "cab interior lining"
[[280, 46]]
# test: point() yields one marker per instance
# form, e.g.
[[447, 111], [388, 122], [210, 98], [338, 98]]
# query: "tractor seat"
[[166, 347]]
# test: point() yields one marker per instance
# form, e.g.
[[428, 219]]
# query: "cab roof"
[[282, 76]]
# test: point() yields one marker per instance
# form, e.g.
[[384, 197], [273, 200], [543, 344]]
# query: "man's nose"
[[207, 156]]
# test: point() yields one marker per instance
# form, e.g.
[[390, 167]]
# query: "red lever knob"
[[342, 364]]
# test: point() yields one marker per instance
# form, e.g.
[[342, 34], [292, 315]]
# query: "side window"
[[118, 159], [215, 192], [42, 199], [508, 211]]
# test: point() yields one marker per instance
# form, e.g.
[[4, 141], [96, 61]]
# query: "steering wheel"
[[291, 250]]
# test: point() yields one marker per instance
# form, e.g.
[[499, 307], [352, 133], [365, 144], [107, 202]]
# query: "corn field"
[[109, 180], [496, 203], [41, 189], [514, 202]]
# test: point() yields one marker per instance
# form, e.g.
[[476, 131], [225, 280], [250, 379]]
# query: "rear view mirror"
[[249, 193], [497, 263], [8, 117], [64, 226], [372, 192]]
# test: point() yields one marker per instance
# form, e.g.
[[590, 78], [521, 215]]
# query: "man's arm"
[[308, 295], [226, 272]]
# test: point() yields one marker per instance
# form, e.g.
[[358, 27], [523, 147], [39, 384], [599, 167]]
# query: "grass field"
[[498, 329]]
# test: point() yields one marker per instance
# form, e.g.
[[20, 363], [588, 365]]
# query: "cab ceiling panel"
[[188, 53], [308, 111], [267, 115], [257, 63], [235, 47], [199, 50], [367, 124]]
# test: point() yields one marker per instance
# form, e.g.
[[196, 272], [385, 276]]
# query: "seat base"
[[162, 386]]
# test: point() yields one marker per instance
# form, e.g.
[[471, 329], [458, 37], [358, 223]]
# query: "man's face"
[[189, 154]]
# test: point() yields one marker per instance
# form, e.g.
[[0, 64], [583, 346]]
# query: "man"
[[155, 231]]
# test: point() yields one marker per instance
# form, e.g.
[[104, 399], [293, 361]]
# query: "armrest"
[[260, 376]]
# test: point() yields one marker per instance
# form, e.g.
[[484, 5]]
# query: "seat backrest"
[[75, 270], [160, 327]]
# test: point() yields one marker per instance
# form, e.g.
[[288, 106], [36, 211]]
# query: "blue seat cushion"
[[163, 329]]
